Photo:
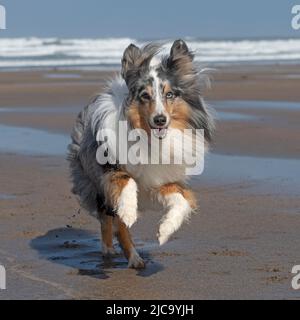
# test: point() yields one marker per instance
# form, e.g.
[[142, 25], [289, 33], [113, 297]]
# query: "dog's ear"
[[180, 49], [181, 58], [130, 60]]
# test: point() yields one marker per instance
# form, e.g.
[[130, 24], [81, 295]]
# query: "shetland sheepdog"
[[156, 93]]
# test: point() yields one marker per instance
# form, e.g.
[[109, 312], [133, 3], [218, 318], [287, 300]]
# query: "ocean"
[[20, 53]]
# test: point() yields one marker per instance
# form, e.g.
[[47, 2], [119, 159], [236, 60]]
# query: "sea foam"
[[107, 53]]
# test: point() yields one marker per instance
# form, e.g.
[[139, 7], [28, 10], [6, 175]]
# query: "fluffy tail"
[[76, 136], [82, 184]]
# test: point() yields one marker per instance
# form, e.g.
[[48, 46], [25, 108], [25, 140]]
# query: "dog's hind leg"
[[107, 234], [180, 203], [126, 243]]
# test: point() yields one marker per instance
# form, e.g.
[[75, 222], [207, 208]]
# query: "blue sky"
[[149, 19]]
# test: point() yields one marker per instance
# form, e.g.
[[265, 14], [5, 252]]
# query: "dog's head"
[[164, 93]]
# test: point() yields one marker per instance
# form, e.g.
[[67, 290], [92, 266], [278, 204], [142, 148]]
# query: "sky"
[[151, 19]]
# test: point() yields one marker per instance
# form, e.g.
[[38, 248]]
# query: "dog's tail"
[[73, 156], [76, 136], [83, 188]]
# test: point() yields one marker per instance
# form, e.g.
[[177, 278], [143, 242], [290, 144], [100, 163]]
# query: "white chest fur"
[[154, 175]]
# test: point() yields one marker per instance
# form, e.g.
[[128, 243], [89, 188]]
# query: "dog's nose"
[[160, 120]]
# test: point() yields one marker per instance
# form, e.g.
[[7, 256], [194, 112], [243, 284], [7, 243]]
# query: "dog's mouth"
[[160, 133]]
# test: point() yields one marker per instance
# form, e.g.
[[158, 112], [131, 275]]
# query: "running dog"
[[157, 94]]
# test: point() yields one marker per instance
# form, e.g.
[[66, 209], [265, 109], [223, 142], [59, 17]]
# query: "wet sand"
[[243, 242]]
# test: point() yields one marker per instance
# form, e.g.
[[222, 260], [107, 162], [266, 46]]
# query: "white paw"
[[127, 204], [166, 229], [135, 261], [179, 212]]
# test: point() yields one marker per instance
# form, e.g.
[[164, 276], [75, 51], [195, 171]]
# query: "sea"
[[106, 53]]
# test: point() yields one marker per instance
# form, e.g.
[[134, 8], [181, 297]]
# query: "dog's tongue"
[[160, 132]]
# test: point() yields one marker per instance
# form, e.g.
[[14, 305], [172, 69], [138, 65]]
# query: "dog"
[[157, 94]]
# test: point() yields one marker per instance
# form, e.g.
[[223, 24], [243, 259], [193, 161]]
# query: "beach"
[[241, 244]]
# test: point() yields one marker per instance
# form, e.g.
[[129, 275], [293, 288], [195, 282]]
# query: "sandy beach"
[[243, 242]]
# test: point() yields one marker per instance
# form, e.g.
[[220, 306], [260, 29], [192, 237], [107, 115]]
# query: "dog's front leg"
[[121, 194], [180, 203]]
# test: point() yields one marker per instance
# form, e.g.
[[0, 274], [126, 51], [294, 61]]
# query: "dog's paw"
[[108, 251], [135, 261], [166, 229], [127, 205]]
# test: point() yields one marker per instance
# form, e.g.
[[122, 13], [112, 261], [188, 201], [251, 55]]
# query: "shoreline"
[[231, 83]]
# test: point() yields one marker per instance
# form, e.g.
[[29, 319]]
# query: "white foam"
[[54, 52]]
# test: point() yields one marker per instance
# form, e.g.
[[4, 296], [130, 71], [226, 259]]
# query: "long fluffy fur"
[[110, 107]]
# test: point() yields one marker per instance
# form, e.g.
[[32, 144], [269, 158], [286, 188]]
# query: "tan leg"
[[126, 243], [107, 234]]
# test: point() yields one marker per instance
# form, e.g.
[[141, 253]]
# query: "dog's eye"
[[145, 96], [170, 95]]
